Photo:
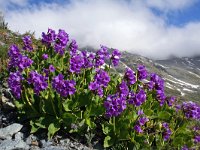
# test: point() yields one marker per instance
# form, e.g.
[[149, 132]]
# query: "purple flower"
[[161, 96], [131, 97], [138, 129], [76, 63], [114, 105], [167, 132], [142, 72], [39, 82], [45, 56], [63, 87], [130, 76], [171, 100], [14, 83], [191, 110], [140, 98], [123, 89], [61, 42], [73, 47], [101, 56], [13, 51], [184, 147], [27, 43], [142, 121], [101, 79], [49, 38], [197, 139], [51, 68], [115, 57], [140, 112], [88, 59]]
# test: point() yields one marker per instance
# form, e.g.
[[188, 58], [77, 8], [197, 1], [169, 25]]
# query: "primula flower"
[[88, 59], [197, 139], [73, 47], [171, 100], [138, 128], [51, 68], [39, 81], [123, 89], [63, 87], [115, 57], [45, 56], [114, 105], [49, 38], [101, 80], [101, 56], [130, 76], [142, 72], [191, 110], [142, 121], [140, 112], [61, 42], [14, 83], [76, 63], [27, 43], [167, 132], [140, 98]]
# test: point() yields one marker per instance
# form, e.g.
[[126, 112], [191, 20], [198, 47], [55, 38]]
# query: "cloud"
[[6, 3], [130, 26]]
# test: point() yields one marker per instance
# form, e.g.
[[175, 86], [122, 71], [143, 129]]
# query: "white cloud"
[[5, 3], [118, 24]]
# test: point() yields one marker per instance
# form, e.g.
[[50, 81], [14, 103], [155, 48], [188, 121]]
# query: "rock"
[[13, 144], [9, 131], [31, 139], [55, 148], [6, 103], [19, 136]]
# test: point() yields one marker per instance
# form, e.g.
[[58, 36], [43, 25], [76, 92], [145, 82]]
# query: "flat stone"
[[9, 131], [13, 144], [19, 136]]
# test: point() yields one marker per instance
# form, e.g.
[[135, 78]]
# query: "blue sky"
[[153, 28]]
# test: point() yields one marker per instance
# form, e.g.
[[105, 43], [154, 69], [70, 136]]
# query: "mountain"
[[181, 75]]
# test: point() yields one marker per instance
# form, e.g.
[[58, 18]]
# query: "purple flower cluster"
[[157, 83], [142, 72], [171, 100], [73, 47], [101, 79], [88, 59], [58, 41], [101, 56], [130, 76], [39, 81], [137, 99], [48, 38], [141, 122], [63, 87], [191, 110], [114, 105], [115, 57], [123, 89], [76, 63], [197, 139], [167, 132], [61, 42], [27, 43], [45, 56], [14, 83], [17, 60]]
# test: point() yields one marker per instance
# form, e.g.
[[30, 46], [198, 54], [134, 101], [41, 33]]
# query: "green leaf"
[[164, 115], [107, 142], [66, 105], [53, 128], [89, 123], [34, 127]]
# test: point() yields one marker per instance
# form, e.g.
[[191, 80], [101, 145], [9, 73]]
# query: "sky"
[[153, 28]]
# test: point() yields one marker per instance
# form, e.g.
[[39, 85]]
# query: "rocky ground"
[[15, 135]]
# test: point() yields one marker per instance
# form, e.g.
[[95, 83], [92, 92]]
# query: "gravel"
[[16, 136]]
